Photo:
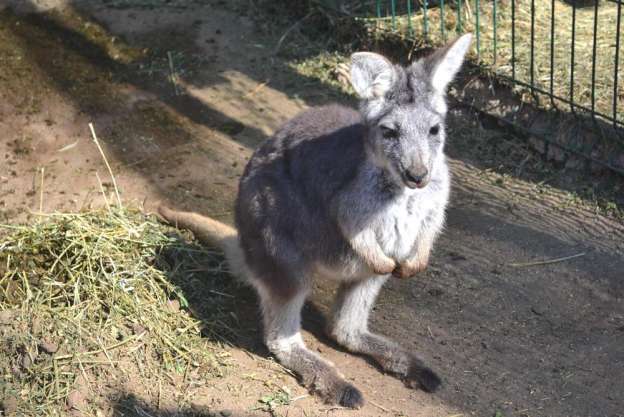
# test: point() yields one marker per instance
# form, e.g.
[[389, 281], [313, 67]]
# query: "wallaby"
[[349, 196]]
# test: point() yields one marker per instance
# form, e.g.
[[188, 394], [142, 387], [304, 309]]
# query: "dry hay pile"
[[91, 301]]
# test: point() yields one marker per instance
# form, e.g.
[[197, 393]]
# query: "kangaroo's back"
[[289, 184], [316, 151]]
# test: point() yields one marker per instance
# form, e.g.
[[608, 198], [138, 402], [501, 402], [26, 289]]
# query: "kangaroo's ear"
[[445, 62], [372, 75]]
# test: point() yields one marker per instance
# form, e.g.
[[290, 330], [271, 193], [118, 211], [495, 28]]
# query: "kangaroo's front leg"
[[366, 246], [416, 263], [419, 259], [350, 328]]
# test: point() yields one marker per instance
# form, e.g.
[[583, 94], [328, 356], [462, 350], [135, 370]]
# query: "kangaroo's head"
[[405, 108]]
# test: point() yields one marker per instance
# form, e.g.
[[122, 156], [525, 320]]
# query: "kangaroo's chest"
[[398, 226]]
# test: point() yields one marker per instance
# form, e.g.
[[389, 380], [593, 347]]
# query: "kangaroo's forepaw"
[[384, 266], [408, 269]]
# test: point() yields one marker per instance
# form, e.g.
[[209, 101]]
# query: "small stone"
[[35, 326], [435, 292], [7, 316], [26, 361], [457, 256], [48, 347], [137, 329], [76, 400], [9, 406], [226, 413]]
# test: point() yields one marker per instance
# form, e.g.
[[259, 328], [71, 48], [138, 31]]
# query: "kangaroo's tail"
[[211, 232]]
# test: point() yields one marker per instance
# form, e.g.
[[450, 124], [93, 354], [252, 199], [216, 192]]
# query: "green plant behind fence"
[[567, 54]]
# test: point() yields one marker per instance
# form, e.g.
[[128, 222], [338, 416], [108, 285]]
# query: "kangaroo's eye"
[[389, 133], [434, 130]]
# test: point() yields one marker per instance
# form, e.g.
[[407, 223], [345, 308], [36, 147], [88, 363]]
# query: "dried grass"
[[105, 290]]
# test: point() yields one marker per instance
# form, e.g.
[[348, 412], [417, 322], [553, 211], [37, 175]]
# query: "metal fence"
[[565, 54], [526, 41]]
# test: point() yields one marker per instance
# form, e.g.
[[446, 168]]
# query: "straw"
[[100, 286]]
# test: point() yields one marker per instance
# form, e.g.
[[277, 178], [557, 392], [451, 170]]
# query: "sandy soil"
[[507, 337]]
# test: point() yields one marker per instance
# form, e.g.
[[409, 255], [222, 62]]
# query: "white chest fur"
[[399, 225]]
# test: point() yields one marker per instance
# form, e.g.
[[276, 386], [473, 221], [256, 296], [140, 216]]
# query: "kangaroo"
[[349, 196]]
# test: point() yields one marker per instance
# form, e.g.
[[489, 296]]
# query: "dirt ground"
[[509, 338]]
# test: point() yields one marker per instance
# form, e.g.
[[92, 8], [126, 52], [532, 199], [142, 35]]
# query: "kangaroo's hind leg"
[[349, 328], [282, 333]]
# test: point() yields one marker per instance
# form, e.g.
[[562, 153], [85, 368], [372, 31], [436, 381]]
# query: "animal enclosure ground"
[[181, 92]]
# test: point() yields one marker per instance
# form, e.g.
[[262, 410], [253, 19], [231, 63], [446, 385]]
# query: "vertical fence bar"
[[513, 40], [458, 27], [393, 8], [552, 53], [494, 22], [410, 29], [425, 20], [593, 76], [532, 62], [378, 7], [478, 31], [572, 57], [617, 62], [442, 22]]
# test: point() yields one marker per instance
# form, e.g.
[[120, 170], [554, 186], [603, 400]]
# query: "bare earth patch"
[[180, 93]]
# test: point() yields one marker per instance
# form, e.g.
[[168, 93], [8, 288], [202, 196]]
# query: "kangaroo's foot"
[[349, 328], [283, 338]]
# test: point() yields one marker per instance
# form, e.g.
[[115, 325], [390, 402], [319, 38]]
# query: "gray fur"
[[349, 196]]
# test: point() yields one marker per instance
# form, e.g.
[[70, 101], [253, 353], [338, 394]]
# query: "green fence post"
[[617, 62], [425, 19], [552, 53], [442, 26], [478, 31], [494, 22], [572, 108], [410, 29], [513, 40], [532, 62], [593, 72]]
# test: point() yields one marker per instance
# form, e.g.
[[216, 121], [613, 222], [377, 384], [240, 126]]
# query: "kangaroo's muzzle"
[[415, 178]]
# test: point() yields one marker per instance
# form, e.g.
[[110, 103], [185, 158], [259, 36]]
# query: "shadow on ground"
[[128, 405], [529, 340]]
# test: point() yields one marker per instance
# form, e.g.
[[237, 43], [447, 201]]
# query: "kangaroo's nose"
[[416, 177]]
